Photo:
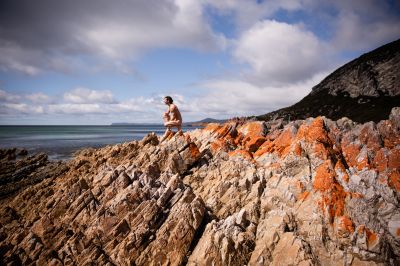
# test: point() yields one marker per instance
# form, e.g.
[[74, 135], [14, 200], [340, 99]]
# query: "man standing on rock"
[[172, 117]]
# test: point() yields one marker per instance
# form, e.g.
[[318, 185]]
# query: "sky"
[[97, 62]]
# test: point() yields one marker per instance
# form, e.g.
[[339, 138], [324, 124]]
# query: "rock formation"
[[365, 89], [18, 170], [311, 192]]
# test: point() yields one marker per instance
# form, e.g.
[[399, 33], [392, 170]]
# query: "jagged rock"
[[227, 242], [305, 192], [18, 173]]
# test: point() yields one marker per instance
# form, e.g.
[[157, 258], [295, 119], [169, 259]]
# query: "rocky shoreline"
[[19, 171], [308, 192]]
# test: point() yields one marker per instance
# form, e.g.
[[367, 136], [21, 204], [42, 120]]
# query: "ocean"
[[60, 142]]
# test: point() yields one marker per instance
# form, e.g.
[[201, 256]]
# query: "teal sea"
[[60, 142]]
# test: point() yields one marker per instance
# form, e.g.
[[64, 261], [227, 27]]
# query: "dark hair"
[[169, 99]]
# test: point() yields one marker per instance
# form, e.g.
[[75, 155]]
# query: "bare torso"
[[175, 115]]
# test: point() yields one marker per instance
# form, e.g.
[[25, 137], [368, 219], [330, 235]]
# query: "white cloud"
[[75, 108], [176, 23], [38, 97], [104, 31], [87, 106], [9, 97], [84, 95], [356, 33], [20, 108], [280, 53], [228, 98]]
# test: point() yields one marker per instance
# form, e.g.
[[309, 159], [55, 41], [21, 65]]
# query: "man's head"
[[168, 100]]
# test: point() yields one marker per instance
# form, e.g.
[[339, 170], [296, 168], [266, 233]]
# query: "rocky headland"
[[307, 192], [365, 89]]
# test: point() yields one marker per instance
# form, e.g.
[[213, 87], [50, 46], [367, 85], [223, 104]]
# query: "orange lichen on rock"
[[388, 163], [281, 145], [212, 127], [266, 147], [194, 150], [394, 181], [351, 152], [321, 150], [243, 153], [361, 229], [253, 129], [332, 193], [303, 195], [238, 139], [380, 162], [316, 131], [224, 130], [398, 232], [390, 137], [364, 163], [227, 136], [324, 178], [394, 159], [283, 142], [254, 143], [341, 170], [345, 225], [297, 149], [218, 144], [302, 132], [372, 237], [369, 137]]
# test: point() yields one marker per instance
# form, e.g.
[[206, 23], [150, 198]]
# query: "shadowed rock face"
[[311, 192], [16, 173], [365, 89]]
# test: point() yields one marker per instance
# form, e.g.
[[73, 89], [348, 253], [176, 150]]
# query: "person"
[[172, 117]]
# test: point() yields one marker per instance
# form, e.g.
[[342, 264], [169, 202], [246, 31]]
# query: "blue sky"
[[99, 62]]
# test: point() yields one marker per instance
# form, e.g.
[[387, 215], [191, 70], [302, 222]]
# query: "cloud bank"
[[44, 35], [279, 50]]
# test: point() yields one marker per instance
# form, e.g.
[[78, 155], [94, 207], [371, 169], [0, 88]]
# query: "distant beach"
[[60, 142]]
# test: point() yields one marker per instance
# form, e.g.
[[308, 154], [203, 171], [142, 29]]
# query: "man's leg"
[[171, 124], [179, 127], [168, 131]]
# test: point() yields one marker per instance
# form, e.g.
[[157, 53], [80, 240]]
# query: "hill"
[[365, 89]]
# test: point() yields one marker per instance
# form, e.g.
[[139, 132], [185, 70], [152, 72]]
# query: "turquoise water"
[[60, 142]]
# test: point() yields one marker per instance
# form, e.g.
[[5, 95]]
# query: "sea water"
[[60, 142]]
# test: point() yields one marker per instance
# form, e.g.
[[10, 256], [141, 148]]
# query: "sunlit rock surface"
[[310, 192]]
